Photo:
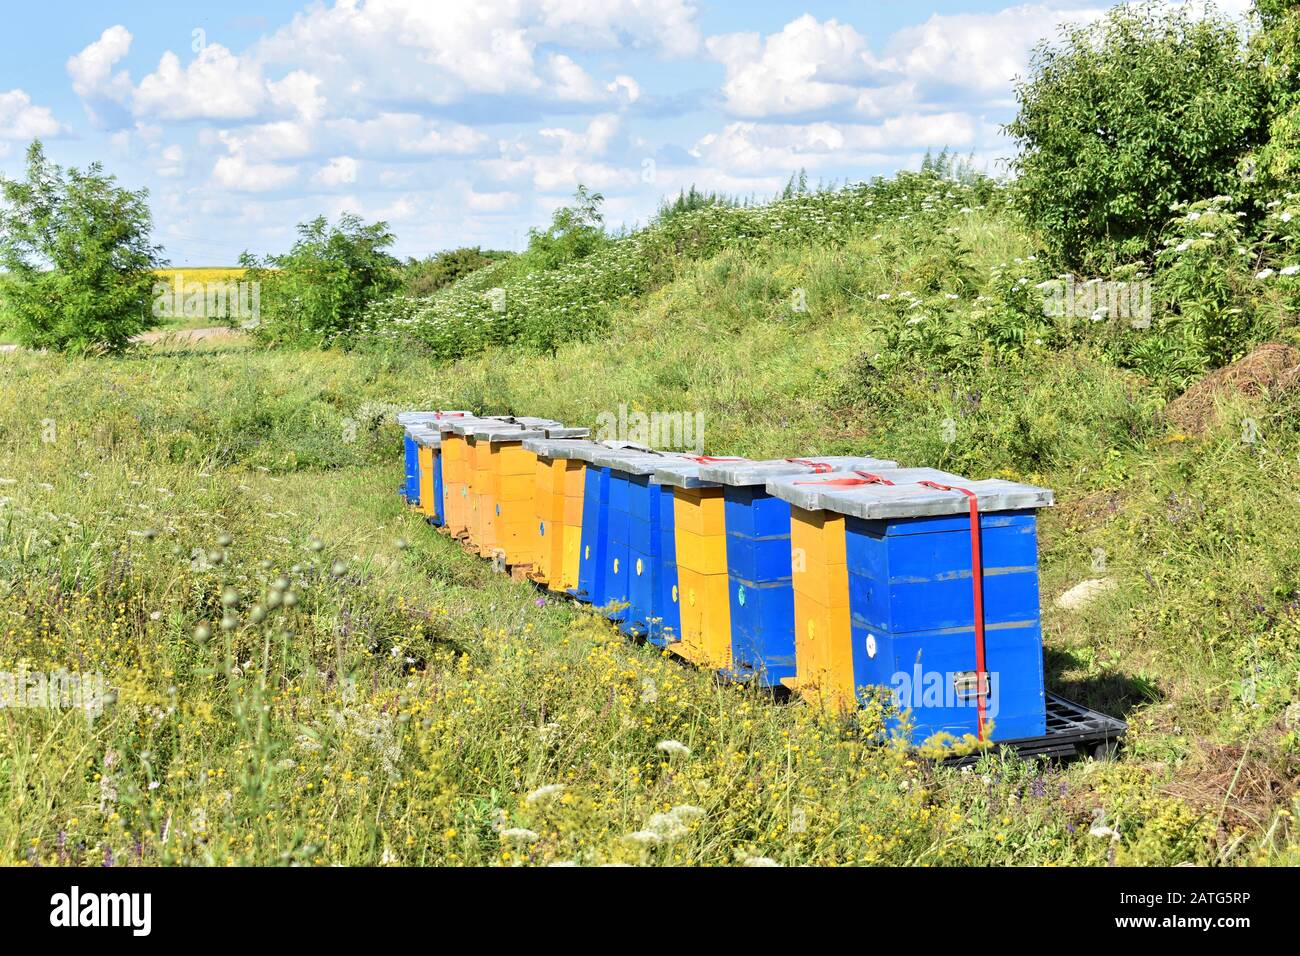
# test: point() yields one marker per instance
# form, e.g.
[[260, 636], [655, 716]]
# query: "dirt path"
[[171, 337], [189, 335]]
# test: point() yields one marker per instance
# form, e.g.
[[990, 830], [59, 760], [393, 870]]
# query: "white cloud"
[[171, 161], [283, 139], [104, 93], [21, 119], [559, 158], [816, 68], [406, 134], [298, 92], [758, 148], [808, 67], [665, 25], [491, 201], [624, 88], [977, 53], [237, 173], [215, 85], [337, 172], [411, 51]]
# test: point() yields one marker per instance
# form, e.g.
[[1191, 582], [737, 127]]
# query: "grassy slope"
[[468, 695]]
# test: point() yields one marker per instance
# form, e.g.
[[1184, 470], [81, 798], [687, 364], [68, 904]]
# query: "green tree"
[[79, 263], [1125, 117], [575, 232], [1275, 50], [316, 292]]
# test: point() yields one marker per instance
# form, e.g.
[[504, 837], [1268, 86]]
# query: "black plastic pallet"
[[1072, 731]]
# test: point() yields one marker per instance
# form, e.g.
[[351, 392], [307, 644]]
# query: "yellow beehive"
[[426, 505], [822, 628], [455, 482], [552, 525], [479, 471], [699, 527], [507, 492], [575, 483]]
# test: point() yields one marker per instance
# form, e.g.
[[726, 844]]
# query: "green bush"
[[1126, 117], [421, 277], [316, 292], [79, 263], [575, 232], [1275, 51]]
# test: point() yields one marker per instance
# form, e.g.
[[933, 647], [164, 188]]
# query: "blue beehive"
[[913, 593], [411, 487], [758, 559], [665, 624], [410, 421], [424, 436], [632, 560], [593, 560]]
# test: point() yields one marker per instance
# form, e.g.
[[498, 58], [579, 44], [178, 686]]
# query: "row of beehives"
[[827, 575]]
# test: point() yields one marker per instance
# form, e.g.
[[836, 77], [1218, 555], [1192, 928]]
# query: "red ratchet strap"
[[707, 460], [977, 581], [818, 467], [866, 478], [450, 414]]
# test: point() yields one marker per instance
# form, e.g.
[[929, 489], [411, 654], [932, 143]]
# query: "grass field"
[[408, 706]]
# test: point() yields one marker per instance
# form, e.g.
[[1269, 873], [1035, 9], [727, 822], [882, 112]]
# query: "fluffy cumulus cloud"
[[339, 171], [238, 174], [20, 118], [558, 158], [977, 55], [808, 67]]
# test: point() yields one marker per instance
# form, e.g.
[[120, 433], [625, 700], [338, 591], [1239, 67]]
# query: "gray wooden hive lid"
[[908, 499], [685, 473], [555, 447], [427, 437], [760, 472], [632, 461], [564, 431], [501, 432], [590, 450], [457, 426], [806, 491], [417, 418]]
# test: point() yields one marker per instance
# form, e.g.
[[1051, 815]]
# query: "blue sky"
[[467, 123]]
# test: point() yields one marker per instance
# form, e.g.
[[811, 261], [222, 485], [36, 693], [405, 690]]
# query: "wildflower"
[[519, 835], [759, 861], [1290, 270], [645, 837], [1263, 273], [883, 296], [544, 793], [673, 748]]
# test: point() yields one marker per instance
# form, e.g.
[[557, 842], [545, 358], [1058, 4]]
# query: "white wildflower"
[[673, 748], [519, 835], [545, 793]]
